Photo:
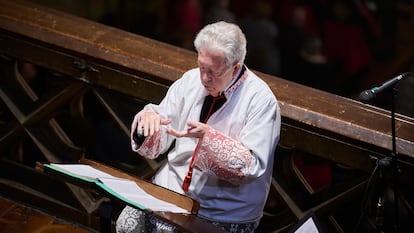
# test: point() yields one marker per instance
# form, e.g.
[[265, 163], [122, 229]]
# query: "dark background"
[[340, 46]]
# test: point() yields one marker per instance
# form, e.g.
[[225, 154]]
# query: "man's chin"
[[211, 90], [214, 93]]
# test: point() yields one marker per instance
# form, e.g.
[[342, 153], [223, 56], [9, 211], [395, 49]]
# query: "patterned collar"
[[242, 75]]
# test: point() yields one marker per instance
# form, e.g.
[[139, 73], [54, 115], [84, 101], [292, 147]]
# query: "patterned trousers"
[[132, 220]]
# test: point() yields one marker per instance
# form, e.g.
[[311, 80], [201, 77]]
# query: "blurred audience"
[[188, 21], [294, 30], [218, 10], [345, 42], [349, 35], [262, 33], [313, 68]]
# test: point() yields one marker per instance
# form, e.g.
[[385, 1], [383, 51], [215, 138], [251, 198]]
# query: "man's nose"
[[205, 77]]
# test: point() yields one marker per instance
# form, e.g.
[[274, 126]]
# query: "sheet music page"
[[308, 227], [84, 170], [130, 190], [123, 187]]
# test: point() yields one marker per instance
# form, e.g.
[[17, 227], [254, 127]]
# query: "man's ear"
[[236, 67]]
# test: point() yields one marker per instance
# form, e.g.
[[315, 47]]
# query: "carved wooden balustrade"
[[91, 79]]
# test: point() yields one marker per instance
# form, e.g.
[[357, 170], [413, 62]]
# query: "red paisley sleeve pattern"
[[223, 156], [151, 147]]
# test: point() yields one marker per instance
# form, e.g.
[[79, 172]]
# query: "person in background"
[[262, 33], [185, 23], [225, 124], [218, 10], [313, 68]]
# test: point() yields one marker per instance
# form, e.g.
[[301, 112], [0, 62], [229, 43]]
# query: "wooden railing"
[[91, 79]]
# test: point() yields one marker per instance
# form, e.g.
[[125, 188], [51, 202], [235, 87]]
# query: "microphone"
[[367, 95]]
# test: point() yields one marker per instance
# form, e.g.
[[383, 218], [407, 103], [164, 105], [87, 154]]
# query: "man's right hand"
[[148, 122]]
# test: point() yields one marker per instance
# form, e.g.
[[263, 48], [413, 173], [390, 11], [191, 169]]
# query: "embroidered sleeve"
[[223, 156], [150, 148]]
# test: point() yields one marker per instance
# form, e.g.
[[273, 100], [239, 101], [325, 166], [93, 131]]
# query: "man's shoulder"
[[191, 72], [257, 86]]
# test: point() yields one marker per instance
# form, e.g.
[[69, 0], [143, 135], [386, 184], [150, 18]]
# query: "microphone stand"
[[389, 171], [394, 162], [385, 175], [381, 172]]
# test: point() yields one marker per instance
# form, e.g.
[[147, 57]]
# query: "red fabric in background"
[[347, 44], [317, 172]]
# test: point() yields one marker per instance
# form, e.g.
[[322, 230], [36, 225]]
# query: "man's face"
[[214, 73]]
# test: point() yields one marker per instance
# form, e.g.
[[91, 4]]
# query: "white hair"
[[224, 37]]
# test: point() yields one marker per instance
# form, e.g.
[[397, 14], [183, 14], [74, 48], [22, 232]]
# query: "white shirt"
[[239, 147]]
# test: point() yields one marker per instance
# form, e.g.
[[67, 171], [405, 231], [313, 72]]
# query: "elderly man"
[[225, 123]]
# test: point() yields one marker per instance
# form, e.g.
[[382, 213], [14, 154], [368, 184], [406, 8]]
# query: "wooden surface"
[[19, 218]]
